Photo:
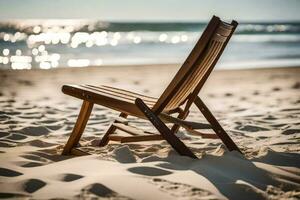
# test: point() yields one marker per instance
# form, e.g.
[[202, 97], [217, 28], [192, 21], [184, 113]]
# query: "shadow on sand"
[[235, 176]]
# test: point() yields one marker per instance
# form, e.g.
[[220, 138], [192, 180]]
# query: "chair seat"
[[114, 98]]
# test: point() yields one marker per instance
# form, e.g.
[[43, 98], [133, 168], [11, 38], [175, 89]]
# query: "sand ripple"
[[261, 114]]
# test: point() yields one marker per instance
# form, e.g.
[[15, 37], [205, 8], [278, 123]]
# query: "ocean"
[[47, 44]]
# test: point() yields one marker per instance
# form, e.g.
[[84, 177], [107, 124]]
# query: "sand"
[[260, 109]]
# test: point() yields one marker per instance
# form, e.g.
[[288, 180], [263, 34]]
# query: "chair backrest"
[[198, 65]]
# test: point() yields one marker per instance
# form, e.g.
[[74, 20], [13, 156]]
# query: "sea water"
[[46, 44]]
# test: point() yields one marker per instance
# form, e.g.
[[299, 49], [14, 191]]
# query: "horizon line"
[[145, 21]]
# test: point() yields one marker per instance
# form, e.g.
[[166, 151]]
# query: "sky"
[[152, 10]]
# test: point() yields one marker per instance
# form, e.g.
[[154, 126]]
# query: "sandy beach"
[[260, 109]]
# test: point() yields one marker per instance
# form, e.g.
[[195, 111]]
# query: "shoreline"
[[150, 65]]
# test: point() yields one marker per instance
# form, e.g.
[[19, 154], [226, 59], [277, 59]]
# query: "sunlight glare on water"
[[46, 44]]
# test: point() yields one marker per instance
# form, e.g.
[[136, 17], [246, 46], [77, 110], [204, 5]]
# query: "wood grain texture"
[[182, 91], [79, 127]]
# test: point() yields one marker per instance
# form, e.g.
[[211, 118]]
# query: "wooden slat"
[[192, 81], [184, 82], [202, 135], [122, 119], [223, 30], [219, 38], [194, 95], [187, 66], [86, 93], [190, 126], [123, 93], [128, 129], [79, 127], [125, 139], [126, 97], [119, 104], [111, 129], [141, 138], [206, 64], [184, 123], [133, 93], [115, 138]]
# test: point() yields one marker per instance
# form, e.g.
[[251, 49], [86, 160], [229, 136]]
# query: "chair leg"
[[166, 133], [176, 127], [79, 127], [105, 139], [229, 143]]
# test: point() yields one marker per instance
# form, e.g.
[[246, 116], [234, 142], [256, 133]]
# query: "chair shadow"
[[280, 159], [235, 176]]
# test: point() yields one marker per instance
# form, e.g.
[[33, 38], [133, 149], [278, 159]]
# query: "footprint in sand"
[[3, 134], [7, 143], [33, 185], [11, 101], [31, 116], [181, 190], [101, 191], [275, 89], [31, 164], [11, 113], [54, 127], [4, 117], [34, 158], [250, 128], [149, 171], [49, 121], [240, 109], [9, 172], [270, 117], [124, 155], [13, 196], [35, 131], [296, 85], [290, 109], [70, 177], [136, 82], [278, 125], [11, 123], [49, 154], [243, 98], [14, 136], [40, 143], [290, 131], [25, 82]]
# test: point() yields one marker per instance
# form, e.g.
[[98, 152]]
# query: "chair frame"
[[157, 115]]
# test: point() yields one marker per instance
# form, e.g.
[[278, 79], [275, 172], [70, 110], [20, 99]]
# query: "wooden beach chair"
[[177, 99]]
